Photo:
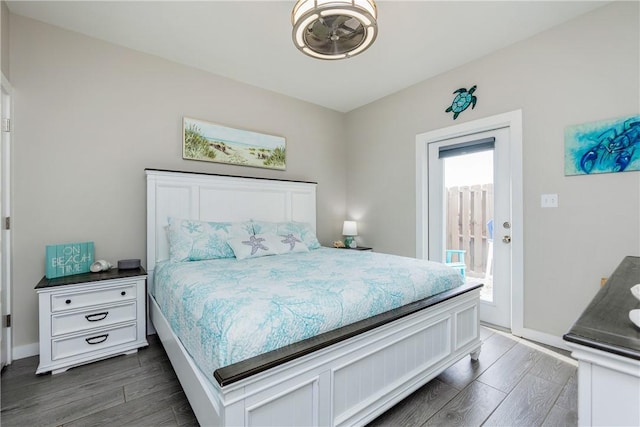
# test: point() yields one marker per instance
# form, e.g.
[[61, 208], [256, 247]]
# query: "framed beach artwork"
[[604, 146], [215, 143]]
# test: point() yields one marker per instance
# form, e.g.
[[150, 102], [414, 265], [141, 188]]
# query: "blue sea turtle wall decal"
[[461, 102]]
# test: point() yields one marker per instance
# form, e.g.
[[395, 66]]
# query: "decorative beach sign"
[[214, 143], [68, 259], [603, 147], [461, 102]]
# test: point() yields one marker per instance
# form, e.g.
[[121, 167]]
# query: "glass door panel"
[[468, 181]]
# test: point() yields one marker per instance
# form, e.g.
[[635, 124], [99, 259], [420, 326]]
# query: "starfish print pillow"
[[301, 230], [253, 246], [192, 240], [289, 243]]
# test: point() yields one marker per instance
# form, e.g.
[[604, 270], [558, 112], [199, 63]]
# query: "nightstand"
[[360, 248], [91, 316]]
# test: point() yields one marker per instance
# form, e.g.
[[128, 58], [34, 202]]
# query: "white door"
[[469, 199], [5, 295]]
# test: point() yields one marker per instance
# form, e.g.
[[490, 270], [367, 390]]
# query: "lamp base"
[[350, 242]]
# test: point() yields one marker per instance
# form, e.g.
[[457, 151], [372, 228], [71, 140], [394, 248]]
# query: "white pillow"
[[289, 243], [301, 230], [253, 246]]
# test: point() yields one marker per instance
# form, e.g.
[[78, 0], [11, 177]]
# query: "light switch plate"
[[549, 200]]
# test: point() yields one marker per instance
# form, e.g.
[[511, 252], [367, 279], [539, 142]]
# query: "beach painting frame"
[[210, 142], [605, 146]]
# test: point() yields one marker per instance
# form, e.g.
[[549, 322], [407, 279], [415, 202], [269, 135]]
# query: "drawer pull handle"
[[123, 293], [68, 301], [97, 339], [97, 316]]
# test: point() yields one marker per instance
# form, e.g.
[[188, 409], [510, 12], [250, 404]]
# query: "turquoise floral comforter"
[[228, 310]]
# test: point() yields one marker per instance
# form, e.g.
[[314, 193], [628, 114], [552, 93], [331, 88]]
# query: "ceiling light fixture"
[[334, 29]]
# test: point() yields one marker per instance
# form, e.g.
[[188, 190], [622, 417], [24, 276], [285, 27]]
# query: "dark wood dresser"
[[607, 345]]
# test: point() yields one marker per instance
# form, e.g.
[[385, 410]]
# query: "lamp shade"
[[350, 228]]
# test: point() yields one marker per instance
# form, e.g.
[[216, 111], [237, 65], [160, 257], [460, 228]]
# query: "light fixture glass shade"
[[334, 29], [350, 228]]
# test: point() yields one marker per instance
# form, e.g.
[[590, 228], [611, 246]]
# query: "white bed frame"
[[347, 383]]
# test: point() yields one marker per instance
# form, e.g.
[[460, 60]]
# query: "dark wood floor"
[[136, 390], [512, 384]]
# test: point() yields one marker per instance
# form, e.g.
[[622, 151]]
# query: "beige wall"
[[582, 71], [4, 38], [90, 116]]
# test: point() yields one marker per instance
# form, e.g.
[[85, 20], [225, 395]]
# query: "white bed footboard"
[[348, 383]]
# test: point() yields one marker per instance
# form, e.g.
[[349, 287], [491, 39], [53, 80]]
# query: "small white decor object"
[[634, 315], [100, 265]]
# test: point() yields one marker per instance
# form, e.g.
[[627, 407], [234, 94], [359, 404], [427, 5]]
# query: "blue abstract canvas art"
[[604, 146]]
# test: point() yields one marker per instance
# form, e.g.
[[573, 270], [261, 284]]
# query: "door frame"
[[5, 211], [513, 121]]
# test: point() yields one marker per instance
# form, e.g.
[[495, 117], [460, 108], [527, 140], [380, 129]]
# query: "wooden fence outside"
[[469, 209]]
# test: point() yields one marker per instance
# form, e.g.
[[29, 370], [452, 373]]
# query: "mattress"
[[226, 310]]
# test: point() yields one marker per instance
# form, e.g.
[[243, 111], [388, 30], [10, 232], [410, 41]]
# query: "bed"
[[333, 374]]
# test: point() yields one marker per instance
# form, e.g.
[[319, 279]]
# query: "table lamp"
[[349, 230]]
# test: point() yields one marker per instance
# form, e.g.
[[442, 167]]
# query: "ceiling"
[[250, 41]]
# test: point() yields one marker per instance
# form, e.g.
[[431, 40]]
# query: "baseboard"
[[27, 350], [533, 339], [544, 338]]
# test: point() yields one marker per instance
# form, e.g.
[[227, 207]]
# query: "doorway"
[[469, 209]]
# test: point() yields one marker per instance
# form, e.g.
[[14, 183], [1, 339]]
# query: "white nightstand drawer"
[[68, 301], [90, 316], [67, 347], [94, 318]]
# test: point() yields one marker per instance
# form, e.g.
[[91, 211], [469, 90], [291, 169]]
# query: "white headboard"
[[220, 198]]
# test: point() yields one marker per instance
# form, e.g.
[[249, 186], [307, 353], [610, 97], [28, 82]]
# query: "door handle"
[[506, 239]]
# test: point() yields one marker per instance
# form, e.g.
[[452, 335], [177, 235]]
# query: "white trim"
[[626, 365], [27, 350], [517, 224], [542, 338], [512, 120], [5, 211], [422, 203]]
